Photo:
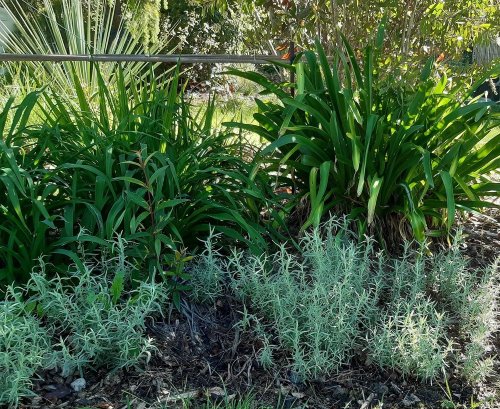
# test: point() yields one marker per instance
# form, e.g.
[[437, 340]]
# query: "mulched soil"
[[202, 354]]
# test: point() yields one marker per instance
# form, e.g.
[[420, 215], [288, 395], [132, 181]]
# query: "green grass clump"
[[244, 403], [139, 161], [337, 298], [25, 347]]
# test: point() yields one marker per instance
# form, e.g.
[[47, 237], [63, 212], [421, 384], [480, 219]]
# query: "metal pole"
[[160, 58]]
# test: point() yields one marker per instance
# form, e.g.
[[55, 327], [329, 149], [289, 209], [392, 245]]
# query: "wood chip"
[[216, 392], [181, 396], [368, 401]]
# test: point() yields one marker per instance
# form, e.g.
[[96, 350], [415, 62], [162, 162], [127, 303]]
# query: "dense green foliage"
[[417, 28], [135, 162], [92, 318], [349, 143], [336, 298], [110, 181]]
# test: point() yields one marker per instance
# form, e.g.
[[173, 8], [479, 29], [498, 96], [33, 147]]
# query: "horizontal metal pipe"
[[160, 58]]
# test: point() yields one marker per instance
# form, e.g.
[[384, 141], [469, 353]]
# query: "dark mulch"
[[482, 237], [202, 354], [202, 351]]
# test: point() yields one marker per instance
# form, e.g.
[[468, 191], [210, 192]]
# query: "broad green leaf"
[[450, 198], [375, 185]]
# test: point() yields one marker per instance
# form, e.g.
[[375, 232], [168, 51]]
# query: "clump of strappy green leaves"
[[138, 161], [347, 141]]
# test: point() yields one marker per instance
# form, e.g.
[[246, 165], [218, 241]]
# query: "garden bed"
[[318, 251], [203, 355]]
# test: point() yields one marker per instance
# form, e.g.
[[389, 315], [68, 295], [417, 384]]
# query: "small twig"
[[236, 342]]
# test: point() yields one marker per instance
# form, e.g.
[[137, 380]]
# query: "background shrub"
[[71, 27], [196, 31]]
